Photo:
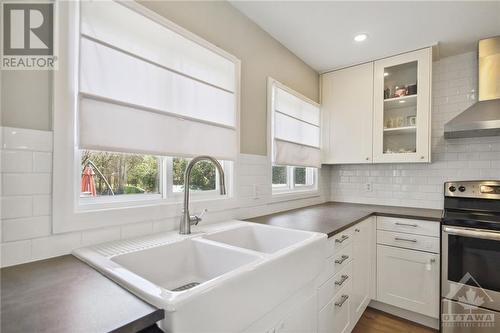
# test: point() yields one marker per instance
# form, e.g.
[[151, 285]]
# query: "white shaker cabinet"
[[347, 104], [402, 108], [363, 267], [292, 316], [343, 298], [408, 264], [408, 279], [301, 319], [334, 317]]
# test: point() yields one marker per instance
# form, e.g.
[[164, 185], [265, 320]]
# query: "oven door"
[[460, 318], [471, 266]]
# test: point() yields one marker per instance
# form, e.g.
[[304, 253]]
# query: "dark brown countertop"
[[333, 217], [64, 294]]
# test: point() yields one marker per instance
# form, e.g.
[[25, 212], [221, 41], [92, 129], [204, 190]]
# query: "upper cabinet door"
[[347, 105], [402, 108]]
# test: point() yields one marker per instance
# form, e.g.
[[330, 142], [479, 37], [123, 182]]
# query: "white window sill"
[[294, 195]]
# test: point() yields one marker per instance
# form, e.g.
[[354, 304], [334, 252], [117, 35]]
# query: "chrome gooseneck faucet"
[[186, 219]]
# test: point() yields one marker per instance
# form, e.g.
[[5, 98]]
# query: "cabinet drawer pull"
[[342, 259], [341, 239], [343, 279], [406, 224], [343, 298], [405, 239]]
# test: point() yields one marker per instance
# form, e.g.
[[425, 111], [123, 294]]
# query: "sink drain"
[[186, 286]]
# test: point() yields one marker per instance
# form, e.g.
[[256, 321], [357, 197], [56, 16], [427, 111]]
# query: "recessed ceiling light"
[[386, 74], [360, 37]]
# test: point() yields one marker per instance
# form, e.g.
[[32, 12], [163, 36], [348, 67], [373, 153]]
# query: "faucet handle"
[[203, 212], [197, 219]]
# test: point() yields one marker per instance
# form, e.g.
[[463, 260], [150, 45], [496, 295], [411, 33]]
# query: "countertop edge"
[[141, 323]]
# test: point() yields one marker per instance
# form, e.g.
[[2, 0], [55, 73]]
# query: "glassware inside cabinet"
[[400, 108]]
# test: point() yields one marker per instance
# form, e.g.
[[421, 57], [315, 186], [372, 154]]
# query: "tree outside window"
[[203, 175], [120, 174], [292, 178]]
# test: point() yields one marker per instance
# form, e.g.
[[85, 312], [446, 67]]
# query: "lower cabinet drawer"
[[331, 287], [338, 241], [417, 227], [408, 241], [338, 261], [334, 317]]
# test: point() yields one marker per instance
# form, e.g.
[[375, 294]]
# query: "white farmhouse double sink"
[[221, 279]]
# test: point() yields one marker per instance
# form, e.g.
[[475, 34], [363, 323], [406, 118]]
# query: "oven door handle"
[[474, 233]]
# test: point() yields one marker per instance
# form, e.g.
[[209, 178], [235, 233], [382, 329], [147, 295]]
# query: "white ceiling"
[[321, 32]]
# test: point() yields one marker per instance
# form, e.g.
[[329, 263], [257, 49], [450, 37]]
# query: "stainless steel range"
[[470, 288]]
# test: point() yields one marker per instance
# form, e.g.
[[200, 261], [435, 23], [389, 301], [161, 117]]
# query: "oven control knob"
[[461, 188], [452, 188]]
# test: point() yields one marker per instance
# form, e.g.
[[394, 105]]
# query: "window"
[[280, 176], [295, 124], [289, 178], [128, 84], [111, 174], [145, 96], [107, 177]]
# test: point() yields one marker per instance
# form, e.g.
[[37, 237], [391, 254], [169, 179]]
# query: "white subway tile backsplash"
[[136, 229], [15, 207], [25, 228], [26, 139], [55, 245], [97, 236], [165, 225], [42, 205], [26, 184], [479, 164], [250, 180], [15, 252], [42, 162], [17, 161]]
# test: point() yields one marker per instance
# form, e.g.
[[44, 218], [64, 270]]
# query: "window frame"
[[282, 190], [165, 185], [68, 214]]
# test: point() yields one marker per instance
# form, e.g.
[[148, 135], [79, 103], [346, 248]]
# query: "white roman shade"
[[296, 129], [145, 88]]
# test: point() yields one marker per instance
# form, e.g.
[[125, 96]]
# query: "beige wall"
[[26, 99]]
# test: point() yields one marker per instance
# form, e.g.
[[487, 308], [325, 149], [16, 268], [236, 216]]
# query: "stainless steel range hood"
[[482, 118]]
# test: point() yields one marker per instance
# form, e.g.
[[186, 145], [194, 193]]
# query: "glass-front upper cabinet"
[[402, 108]]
